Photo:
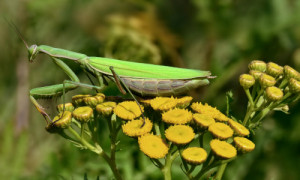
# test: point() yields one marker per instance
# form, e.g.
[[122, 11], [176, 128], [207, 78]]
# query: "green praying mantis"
[[137, 78]]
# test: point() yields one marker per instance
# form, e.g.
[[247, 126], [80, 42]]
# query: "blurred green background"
[[220, 36]]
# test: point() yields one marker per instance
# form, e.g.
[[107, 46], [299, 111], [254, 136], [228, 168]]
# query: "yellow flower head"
[[243, 144], [194, 155], [83, 114], [153, 146], [128, 110], [203, 120], [210, 111], [177, 116], [78, 99], [62, 120], [180, 134], [184, 101], [238, 128], [68, 107], [106, 108], [222, 149], [93, 100], [220, 130], [146, 102], [163, 103], [133, 128]]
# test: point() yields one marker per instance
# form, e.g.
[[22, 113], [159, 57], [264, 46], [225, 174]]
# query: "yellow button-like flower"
[[274, 69], [194, 155], [274, 93], [177, 116], [163, 103], [294, 85], [68, 107], [153, 146], [184, 101], [78, 99], [210, 111], [83, 114], [128, 110], [220, 130], [106, 108], [266, 80], [93, 100], [238, 128], [222, 149], [62, 120], [203, 120], [243, 144], [247, 80], [134, 128], [257, 65], [290, 72], [180, 134], [146, 102]]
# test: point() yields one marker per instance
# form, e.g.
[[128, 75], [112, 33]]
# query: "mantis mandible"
[[138, 78]]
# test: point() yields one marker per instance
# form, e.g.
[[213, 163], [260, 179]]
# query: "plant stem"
[[220, 171], [166, 170], [112, 165]]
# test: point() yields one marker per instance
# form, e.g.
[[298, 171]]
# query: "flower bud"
[[62, 120], [78, 99], [243, 145], [255, 74], [273, 93], [274, 69], [294, 85], [289, 72], [106, 108], [246, 80], [266, 80], [68, 107], [83, 114], [100, 97], [93, 100], [257, 65]]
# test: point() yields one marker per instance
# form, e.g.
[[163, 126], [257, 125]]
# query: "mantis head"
[[33, 50]]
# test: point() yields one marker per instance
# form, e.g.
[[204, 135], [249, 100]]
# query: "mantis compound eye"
[[32, 52]]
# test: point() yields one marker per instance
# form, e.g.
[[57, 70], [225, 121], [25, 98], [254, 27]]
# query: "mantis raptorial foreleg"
[[57, 89]]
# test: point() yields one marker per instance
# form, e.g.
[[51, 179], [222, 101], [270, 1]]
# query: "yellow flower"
[[106, 108], [146, 102], [83, 114], [78, 99], [133, 128], [274, 93], [128, 110], [244, 144], [210, 111], [93, 100], [194, 155], [203, 120], [238, 128], [68, 107], [62, 120], [220, 130], [184, 101], [153, 146], [177, 116], [222, 149], [163, 103], [180, 134]]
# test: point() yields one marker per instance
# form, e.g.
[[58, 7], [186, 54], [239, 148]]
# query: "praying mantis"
[[145, 80]]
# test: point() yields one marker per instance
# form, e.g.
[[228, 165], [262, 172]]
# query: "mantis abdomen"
[[160, 87]]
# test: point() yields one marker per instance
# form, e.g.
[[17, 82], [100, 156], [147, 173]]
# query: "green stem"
[[84, 142], [249, 97], [220, 171], [112, 165], [166, 170]]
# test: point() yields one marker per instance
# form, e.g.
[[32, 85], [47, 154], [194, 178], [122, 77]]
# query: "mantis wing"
[[142, 70]]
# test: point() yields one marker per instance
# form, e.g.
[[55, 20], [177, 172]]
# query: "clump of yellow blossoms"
[[165, 128]]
